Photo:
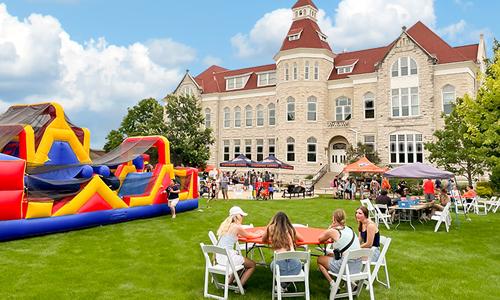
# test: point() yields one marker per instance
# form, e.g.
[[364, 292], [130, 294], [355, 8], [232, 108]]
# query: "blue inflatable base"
[[17, 229]]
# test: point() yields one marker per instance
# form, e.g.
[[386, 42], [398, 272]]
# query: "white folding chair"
[[297, 225], [470, 206], [213, 238], [380, 216], [252, 248], [382, 262], [216, 269], [303, 276], [481, 204], [349, 278], [493, 204], [442, 216], [371, 209]]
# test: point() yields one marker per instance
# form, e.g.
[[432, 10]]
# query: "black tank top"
[[376, 238]]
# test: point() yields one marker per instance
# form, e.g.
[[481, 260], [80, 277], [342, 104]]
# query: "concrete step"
[[324, 182]]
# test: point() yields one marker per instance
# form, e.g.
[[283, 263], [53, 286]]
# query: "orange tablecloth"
[[309, 234]]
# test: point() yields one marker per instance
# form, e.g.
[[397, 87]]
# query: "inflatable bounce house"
[[48, 183]]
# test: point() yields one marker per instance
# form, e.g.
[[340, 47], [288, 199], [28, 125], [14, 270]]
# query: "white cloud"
[[210, 60], [464, 4], [95, 82], [453, 30]]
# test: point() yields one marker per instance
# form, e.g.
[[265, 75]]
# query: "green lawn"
[[161, 257]]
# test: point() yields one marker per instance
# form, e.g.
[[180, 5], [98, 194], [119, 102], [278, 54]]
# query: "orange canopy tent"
[[363, 165]]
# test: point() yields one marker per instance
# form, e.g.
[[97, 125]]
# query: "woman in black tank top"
[[369, 235]]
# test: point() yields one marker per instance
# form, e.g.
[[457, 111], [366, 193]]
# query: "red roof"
[[469, 51], [206, 79], [347, 62], [294, 31], [301, 3], [366, 64], [309, 38]]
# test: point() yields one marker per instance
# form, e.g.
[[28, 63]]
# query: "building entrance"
[[337, 156]]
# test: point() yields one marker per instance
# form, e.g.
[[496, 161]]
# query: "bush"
[[309, 177], [495, 178], [483, 189]]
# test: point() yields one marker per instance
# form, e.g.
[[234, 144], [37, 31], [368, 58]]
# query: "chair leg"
[[205, 286], [226, 286], [349, 288]]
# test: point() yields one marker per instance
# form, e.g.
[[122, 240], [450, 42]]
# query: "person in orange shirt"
[[429, 190], [470, 194], [385, 184]]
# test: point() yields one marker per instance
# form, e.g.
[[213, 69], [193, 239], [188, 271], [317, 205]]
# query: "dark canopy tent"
[[272, 162], [418, 171], [240, 161]]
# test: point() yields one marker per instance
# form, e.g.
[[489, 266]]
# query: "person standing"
[[374, 188], [173, 196], [224, 185], [353, 189], [385, 184], [429, 190]]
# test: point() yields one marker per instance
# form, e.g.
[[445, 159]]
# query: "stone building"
[[311, 103]]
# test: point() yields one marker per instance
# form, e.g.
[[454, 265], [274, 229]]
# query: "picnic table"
[[406, 214]]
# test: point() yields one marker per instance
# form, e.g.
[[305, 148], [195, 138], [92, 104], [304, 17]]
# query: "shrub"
[[309, 177], [495, 178], [483, 189]]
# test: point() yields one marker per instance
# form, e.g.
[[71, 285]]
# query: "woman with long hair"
[[282, 236], [228, 233], [369, 235]]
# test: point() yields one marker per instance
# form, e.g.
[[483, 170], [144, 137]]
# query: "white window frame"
[[290, 103], [208, 118], [401, 138], [290, 144], [227, 117], [237, 117], [259, 115], [236, 82], [287, 72], [312, 142], [271, 145], [448, 94], [226, 150], [398, 100], [260, 149], [268, 78], [314, 102], [248, 116], [248, 148], [295, 71], [306, 70], [367, 140], [237, 147], [271, 114], [345, 113], [316, 71], [369, 96], [397, 67]]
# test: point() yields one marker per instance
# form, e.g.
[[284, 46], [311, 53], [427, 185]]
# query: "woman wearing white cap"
[[228, 233]]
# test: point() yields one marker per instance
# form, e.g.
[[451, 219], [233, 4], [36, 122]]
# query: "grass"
[[161, 258]]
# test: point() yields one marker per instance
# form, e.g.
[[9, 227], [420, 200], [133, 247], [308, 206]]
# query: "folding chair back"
[[443, 216], [213, 238], [359, 278], [212, 270], [371, 208], [303, 276], [382, 262], [380, 216], [493, 204]]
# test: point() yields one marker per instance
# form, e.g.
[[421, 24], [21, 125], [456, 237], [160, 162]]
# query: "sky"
[[98, 58]]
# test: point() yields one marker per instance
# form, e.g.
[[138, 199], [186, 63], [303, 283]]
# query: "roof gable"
[[309, 36], [301, 3]]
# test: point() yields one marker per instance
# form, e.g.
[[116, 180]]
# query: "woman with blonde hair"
[[282, 236], [228, 233], [344, 239]]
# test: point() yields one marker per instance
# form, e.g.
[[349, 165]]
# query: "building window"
[[405, 102], [311, 149], [311, 108], [342, 109], [237, 117], [290, 109], [343, 70], [404, 66], [370, 143], [316, 71], [271, 108], [187, 91], [226, 150], [260, 115], [248, 149], [306, 71], [268, 78], [448, 98], [369, 99], [271, 143], [208, 117], [287, 73], [236, 82], [295, 72], [406, 148], [290, 149], [227, 117], [237, 148], [260, 149], [294, 37], [248, 116]]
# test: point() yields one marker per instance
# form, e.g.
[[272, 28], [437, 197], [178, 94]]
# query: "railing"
[[319, 174], [333, 124]]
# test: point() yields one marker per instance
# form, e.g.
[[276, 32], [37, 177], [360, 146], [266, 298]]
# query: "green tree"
[[189, 140], [353, 154], [453, 149], [145, 118]]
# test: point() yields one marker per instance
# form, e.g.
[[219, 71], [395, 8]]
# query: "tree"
[[353, 154], [189, 140], [453, 149], [145, 118]]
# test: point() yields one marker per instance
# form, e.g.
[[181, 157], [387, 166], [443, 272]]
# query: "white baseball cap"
[[236, 210]]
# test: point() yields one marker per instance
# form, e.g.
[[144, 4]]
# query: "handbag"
[[337, 254]]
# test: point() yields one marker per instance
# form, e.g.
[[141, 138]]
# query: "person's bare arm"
[[265, 236], [298, 237], [371, 229], [326, 235], [244, 233]]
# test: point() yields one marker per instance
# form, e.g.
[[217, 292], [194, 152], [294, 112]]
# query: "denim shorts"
[[354, 265], [287, 266]]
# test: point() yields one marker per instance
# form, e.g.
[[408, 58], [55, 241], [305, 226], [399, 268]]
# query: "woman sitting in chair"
[[344, 239], [228, 233], [369, 235], [282, 236]]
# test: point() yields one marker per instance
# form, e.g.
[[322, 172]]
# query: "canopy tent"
[[363, 165], [272, 162], [240, 161], [418, 171]]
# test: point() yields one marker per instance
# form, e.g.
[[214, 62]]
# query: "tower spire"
[[304, 9]]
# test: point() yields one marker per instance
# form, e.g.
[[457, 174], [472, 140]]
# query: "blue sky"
[[99, 57]]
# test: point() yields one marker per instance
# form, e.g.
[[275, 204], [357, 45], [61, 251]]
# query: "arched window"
[[316, 71], [227, 117], [448, 98], [369, 100], [290, 109], [271, 113], [295, 72], [311, 108], [287, 73], [237, 116], [260, 115], [248, 116], [311, 149], [342, 109], [406, 147], [208, 118], [306, 70], [187, 91], [404, 66], [290, 149]]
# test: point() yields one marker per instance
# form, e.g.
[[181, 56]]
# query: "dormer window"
[[268, 78], [294, 37], [343, 70], [322, 36], [346, 66], [236, 82], [294, 34]]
